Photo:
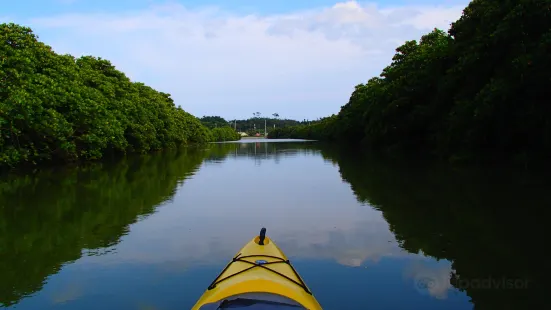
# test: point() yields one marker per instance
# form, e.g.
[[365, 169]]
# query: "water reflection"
[[258, 150], [305, 205], [57, 216], [482, 219], [360, 229]]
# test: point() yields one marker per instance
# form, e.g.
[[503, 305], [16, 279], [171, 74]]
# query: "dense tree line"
[[220, 129], [483, 87], [256, 124], [214, 121], [61, 108], [322, 129], [225, 133], [252, 125]]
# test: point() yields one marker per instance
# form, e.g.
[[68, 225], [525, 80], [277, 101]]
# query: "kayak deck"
[[278, 265], [261, 269]]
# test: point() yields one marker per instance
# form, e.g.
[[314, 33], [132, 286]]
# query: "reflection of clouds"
[[430, 279], [71, 292], [350, 246], [306, 208], [366, 239]]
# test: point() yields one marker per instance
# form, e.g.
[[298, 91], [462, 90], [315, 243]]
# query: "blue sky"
[[26, 8], [300, 59]]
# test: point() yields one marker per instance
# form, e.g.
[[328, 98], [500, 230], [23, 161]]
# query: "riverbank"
[[59, 109]]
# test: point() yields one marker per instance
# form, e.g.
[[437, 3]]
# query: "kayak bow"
[[259, 277]]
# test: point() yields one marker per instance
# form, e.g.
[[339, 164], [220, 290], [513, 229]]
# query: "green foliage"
[[220, 129], [251, 126], [322, 129], [58, 108], [481, 88], [213, 121], [220, 134], [256, 124]]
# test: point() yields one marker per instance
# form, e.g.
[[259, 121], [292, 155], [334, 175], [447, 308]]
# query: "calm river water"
[[152, 232]]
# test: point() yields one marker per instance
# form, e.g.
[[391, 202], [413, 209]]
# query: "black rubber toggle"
[[262, 236]]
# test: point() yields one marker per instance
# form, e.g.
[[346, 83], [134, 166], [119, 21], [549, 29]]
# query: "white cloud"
[[430, 279], [301, 65]]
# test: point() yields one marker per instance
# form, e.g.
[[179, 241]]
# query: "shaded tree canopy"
[[213, 121], [482, 87]]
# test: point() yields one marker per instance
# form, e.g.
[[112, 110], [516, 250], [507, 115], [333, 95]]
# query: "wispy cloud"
[[68, 293], [302, 65]]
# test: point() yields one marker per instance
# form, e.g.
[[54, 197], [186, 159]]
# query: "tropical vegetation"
[[481, 88], [226, 133], [58, 108], [251, 125]]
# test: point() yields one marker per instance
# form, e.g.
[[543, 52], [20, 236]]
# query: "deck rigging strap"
[[239, 258]]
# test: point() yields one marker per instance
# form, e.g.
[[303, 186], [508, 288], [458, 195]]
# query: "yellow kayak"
[[259, 277]]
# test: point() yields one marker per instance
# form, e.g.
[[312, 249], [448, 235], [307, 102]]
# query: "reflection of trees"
[[259, 151], [47, 219], [483, 220]]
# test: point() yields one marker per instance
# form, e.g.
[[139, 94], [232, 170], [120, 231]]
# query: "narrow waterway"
[[152, 232]]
